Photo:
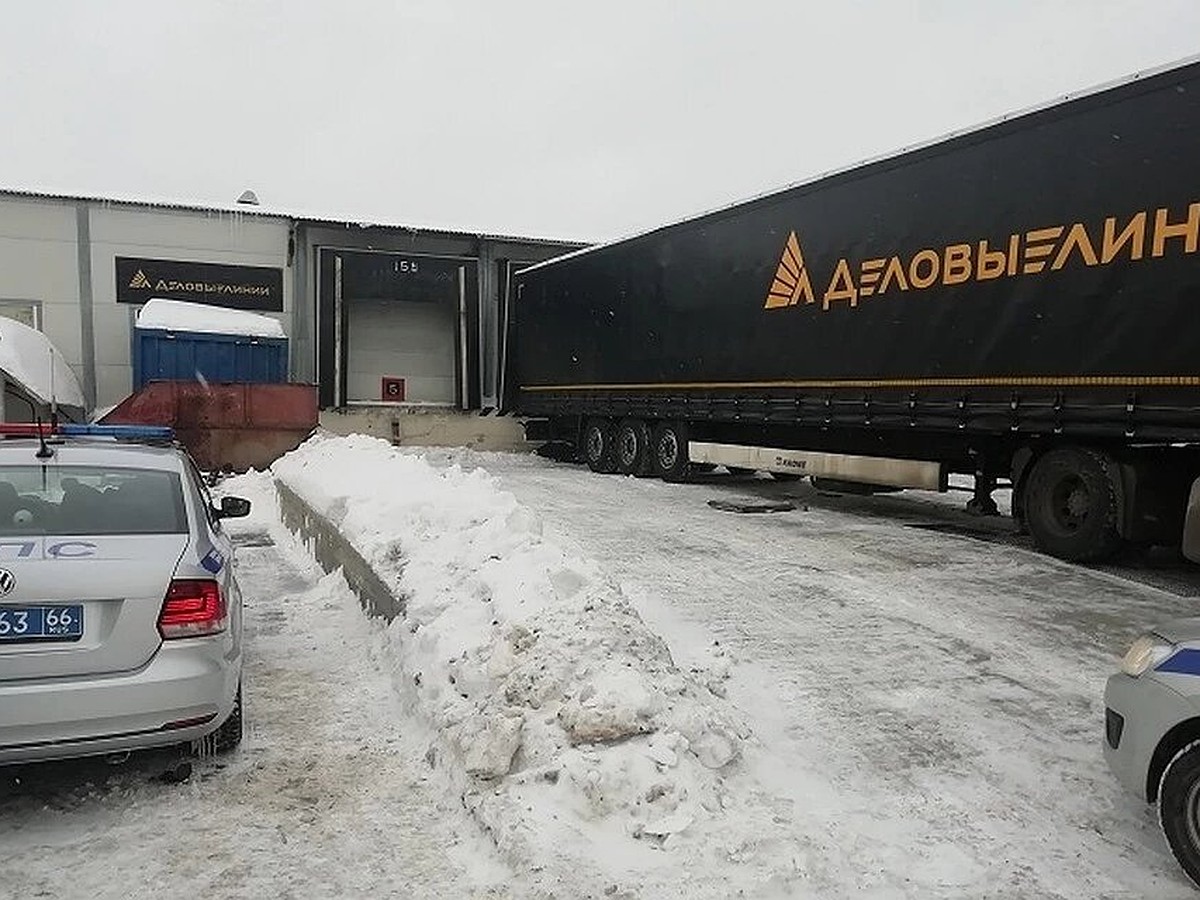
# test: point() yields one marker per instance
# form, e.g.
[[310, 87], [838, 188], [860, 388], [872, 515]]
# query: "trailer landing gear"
[[982, 503]]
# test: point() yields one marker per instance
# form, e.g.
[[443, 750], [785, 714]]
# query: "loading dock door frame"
[[464, 380], [332, 324], [507, 319]]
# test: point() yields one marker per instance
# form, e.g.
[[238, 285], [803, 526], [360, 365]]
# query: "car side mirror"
[[233, 508]]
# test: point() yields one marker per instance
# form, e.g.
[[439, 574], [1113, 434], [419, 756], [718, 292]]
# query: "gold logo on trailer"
[[140, 281], [1153, 232], [791, 278]]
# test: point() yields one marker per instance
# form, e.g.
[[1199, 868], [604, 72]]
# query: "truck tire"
[[1071, 504], [598, 446], [631, 447], [1179, 808], [669, 452]]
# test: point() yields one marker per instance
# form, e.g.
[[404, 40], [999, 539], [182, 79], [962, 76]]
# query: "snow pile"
[[28, 358], [178, 315], [567, 714]]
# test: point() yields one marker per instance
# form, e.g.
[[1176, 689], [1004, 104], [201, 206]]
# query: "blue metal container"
[[165, 355]]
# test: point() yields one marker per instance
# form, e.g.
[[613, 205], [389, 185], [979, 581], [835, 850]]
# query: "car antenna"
[[44, 451], [53, 398]]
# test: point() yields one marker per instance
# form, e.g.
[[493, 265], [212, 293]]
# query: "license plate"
[[40, 623]]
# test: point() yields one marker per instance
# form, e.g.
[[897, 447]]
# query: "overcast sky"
[[556, 119]]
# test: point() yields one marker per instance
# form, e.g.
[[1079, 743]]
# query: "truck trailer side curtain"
[[1018, 301]]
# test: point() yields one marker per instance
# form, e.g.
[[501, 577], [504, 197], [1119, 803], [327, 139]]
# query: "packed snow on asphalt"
[[606, 687], [328, 796]]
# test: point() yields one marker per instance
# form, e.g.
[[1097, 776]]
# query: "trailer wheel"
[[1071, 504], [632, 447], [670, 452], [598, 446]]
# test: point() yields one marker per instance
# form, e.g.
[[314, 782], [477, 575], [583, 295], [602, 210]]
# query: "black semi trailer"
[[1017, 302]]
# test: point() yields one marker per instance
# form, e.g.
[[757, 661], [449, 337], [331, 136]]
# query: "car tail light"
[[194, 607]]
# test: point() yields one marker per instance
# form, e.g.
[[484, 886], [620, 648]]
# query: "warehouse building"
[[378, 316]]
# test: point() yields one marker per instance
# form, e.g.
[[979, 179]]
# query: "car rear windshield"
[[76, 500]]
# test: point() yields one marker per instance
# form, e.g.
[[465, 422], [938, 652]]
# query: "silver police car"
[[1152, 731], [120, 618]]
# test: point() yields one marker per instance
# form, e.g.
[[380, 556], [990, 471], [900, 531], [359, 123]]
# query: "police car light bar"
[[69, 429], [128, 432], [24, 429]]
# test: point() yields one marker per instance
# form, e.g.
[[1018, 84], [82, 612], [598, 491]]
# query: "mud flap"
[[1155, 501], [1191, 524]]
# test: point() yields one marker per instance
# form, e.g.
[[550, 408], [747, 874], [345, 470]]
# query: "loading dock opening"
[[386, 315]]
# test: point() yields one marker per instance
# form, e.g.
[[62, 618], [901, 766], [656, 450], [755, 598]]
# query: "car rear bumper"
[[1138, 713], [185, 692]]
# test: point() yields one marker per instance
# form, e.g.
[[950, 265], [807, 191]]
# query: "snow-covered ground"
[[572, 735], [329, 796], [926, 707], [604, 687]]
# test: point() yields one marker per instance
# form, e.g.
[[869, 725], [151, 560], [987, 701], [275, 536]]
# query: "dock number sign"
[[237, 287]]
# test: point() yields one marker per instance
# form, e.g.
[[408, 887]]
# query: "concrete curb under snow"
[[332, 551], [560, 719]]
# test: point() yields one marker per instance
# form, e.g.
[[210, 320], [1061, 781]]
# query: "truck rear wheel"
[[1071, 504], [632, 447], [670, 452], [598, 446]]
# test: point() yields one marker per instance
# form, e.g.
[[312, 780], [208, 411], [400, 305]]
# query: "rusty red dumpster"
[[225, 426]]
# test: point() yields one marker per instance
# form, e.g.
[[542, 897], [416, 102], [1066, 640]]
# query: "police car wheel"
[[1179, 808], [225, 738]]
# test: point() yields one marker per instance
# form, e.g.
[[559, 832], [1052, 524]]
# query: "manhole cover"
[[752, 506]]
